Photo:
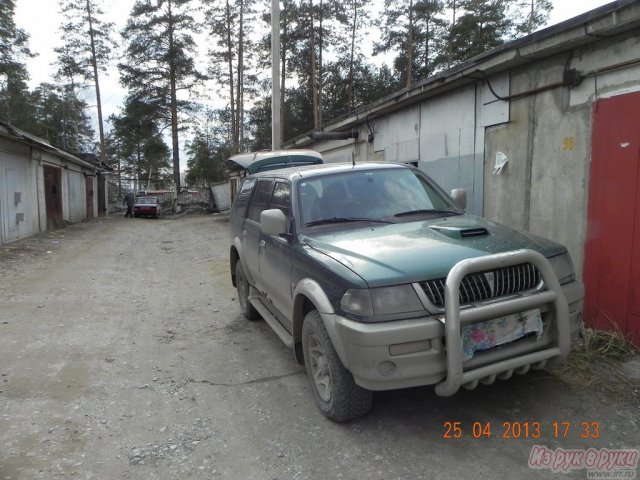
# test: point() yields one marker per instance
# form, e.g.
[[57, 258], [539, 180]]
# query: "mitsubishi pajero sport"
[[378, 280]]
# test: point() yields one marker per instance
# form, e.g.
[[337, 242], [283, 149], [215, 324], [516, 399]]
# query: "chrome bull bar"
[[455, 318]]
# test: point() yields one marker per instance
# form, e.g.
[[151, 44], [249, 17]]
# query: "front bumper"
[[408, 353]]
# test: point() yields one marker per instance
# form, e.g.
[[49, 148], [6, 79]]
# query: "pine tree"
[[355, 18], [229, 24], [414, 30], [160, 62], [528, 15], [480, 26], [87, 47], [144, 154], [61, 118], [259, 123], [16, 102], [206, 153]]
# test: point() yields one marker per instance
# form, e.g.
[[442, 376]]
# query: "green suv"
[[378, 280]]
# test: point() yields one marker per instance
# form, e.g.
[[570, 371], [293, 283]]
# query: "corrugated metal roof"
[[9, 131]]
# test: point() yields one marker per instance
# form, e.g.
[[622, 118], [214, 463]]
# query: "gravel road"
[[123, 356]]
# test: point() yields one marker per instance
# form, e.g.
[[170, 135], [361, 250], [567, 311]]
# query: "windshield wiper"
[[326, 221], [423, 211]]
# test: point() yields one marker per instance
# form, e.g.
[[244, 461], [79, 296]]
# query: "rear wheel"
[[242, 285], [334, 390]]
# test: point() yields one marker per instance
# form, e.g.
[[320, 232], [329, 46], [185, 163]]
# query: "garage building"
[[43, 187], [544, 133]]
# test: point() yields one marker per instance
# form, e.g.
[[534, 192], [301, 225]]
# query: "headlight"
[[563, 267], [384, 301], [357, 302]]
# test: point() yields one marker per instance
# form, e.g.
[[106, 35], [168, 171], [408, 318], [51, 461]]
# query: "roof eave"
[[14, 133]]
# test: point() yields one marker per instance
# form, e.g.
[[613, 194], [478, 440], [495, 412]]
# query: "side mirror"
[[459, 196], [273, 222]]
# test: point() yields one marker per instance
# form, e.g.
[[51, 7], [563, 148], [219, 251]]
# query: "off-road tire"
[[342, 400], [242, 285]]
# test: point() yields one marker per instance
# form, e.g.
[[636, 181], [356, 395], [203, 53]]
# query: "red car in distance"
[[147, 207]]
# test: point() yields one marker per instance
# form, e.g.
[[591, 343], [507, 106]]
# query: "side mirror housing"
[[273, 222], [459, 196]]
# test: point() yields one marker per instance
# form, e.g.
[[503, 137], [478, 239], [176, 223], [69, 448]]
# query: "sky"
[[41, 20]]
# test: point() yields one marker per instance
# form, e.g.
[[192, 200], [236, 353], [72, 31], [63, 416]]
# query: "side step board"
[[273, 322]]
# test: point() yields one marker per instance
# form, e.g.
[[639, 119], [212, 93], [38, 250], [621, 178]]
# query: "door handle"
[[262, 243]]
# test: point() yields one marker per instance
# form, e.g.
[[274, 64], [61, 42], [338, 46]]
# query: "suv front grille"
[[476, 287]]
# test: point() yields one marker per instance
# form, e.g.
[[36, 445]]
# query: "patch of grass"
[[596, 363], [612, 345]]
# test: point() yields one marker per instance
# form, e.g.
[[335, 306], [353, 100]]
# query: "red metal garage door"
[[612, 256], [89, 190], [53, 196]]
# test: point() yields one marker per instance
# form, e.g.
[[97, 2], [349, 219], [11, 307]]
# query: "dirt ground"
[[123, 356]]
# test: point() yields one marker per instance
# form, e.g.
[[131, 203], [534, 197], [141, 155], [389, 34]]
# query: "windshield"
[[374, 195], [147, 201]]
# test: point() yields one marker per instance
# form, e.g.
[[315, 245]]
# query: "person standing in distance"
[[129, 200]]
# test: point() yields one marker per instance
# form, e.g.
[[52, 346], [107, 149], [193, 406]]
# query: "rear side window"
[[260, 199], [282, 198], [242, 199]]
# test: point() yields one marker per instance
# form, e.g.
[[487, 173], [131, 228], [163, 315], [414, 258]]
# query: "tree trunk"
[[234, 136], [426, 48], [320, 67], [351, 56], [119, 170], [314, 79], [410, 47], [530, 22], [453, 22], [239, 81], [94, 62], [174, 105]]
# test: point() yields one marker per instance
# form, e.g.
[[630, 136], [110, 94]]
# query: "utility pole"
[[276, 140]]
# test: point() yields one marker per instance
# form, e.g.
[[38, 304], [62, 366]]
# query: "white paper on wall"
[[501, 161]]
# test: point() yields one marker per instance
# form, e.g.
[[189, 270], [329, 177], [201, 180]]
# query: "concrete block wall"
[[543, 188]]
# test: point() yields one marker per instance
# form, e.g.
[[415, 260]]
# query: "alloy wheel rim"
[[244, 291], [320, 372]]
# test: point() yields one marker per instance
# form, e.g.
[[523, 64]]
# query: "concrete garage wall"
[[543, 187], [559, 172], [505, 195]]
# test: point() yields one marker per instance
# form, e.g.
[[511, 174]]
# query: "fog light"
[[411, 347], [387, 368]]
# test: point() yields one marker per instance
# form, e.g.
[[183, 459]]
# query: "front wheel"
[[242, 285], [334, 390]]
